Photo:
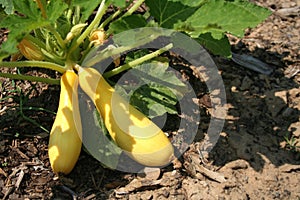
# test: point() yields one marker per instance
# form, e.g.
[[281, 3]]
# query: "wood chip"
[[150, 173], [193, 161], [289, 168], [3, 172], [136, 184]]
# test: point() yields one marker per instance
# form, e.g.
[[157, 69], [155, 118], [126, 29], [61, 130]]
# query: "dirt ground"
[[256, 157]]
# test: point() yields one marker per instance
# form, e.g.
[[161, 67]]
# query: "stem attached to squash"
[[137, 61], [40, 64], [30, 78]]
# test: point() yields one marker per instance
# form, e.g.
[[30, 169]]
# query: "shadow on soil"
[[262, 115]]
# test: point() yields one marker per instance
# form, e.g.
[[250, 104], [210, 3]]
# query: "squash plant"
[[68, 36]]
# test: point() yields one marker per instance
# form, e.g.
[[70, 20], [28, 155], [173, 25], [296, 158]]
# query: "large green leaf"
[[191, 3], [55, 10], [168, 13], [127, 23], [20, 25], [158, 91], [154, 100], [219, 17], [30, 19], [216, 46], [86, 8], [118, 3]]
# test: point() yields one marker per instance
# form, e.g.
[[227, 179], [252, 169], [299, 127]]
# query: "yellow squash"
[[136, 134], [66, 133]]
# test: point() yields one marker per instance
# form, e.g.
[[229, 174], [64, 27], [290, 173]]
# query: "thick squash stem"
[[40, 64], [137, 61]]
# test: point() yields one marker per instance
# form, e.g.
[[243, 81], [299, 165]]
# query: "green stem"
[[108, 52], [30, 78], [96, 20], [57, 36], [136, 5], [137, 61], [40, 64], [117, 13], [109, 19], [52, 58]]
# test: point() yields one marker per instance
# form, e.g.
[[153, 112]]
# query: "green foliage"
[[28, 19], [191, 3], [62, 30], [86, 9], [127, 23], [216, 46], [168, 13], [219, 17], [159, 89], [208, 21], [8, 6]]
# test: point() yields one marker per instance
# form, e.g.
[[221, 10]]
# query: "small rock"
[[276, 101], [237, 164], [294, 98], [295, 129]]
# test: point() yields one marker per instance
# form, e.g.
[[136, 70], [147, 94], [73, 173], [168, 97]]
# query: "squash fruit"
[[66, 133], [132, 131]]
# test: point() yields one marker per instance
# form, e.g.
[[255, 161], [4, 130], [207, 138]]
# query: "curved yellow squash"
[[136, 134], [66, 133]]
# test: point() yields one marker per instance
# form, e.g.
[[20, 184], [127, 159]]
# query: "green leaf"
[[216, 46], [8, 6], [127, 23], [159, 90], [168, 13], [28, 19], [86, 8], [220, 16], [154, 100], [118, 3], [191, 3], [55, 9]]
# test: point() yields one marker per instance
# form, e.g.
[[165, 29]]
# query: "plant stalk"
[[87, 31], [136, 5], [137, 61], [40, 64]]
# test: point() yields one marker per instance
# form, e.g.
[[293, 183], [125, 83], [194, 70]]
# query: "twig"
[[193, 162], [19, 180], [69, 191]]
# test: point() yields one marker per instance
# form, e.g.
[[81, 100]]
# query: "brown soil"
[[256, 157]]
